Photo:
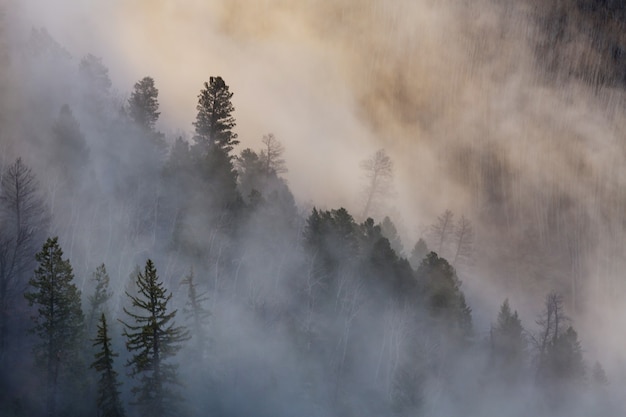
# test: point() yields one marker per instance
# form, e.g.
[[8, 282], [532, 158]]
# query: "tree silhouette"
[[109, 402], [155, 339]]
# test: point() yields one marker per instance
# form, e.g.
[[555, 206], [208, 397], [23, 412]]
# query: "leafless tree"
[[379, 174], [442, 230], [271, 155], [464, 236], [552, 323]]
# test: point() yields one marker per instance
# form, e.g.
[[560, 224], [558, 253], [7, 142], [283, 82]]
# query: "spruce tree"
[[508, 344], [109, 403], [214, 121], [154, 340], [143, 104], [59, 323]]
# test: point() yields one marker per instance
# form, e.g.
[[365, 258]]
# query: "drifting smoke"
[[486, 108]]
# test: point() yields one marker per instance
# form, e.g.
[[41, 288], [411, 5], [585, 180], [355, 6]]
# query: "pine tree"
[[214, 122], [155, 339], [442, 291], [59, 323], [215, 140], [143, 104], [508, 344], [109, 403]]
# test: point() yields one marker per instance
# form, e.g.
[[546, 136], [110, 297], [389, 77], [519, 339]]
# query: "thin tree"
[[100, 296], [108, 401], [271, 155], [23, 217], [196, 312], [59, 323], [379, 175], [442, 230], [464, 236], [154, 340]]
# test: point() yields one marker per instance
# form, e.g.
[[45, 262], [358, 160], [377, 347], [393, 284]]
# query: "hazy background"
[[486, 108]]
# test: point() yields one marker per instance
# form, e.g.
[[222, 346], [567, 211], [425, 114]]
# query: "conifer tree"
[[214, 122], [100, 296], [154, 340], [215, 140], [59, 323], [508, 344], [143, 104], [109, 402]]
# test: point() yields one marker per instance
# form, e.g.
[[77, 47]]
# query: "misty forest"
[[281, 208]]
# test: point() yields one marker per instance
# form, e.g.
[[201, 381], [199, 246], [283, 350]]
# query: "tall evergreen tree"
[[214, 122], [215, 140], [59, 323], [143, 105], [508, 344], [155, 339], [109, 402]]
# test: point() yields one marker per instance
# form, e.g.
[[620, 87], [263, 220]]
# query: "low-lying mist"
[[503, 124]]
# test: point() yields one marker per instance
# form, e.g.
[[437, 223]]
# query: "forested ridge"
[[146, 273]]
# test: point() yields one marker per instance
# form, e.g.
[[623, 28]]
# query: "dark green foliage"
[[143, 104], [154, 340], [331, 236], [214, 122], [59, 322], [109, 403], [444, 298]]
